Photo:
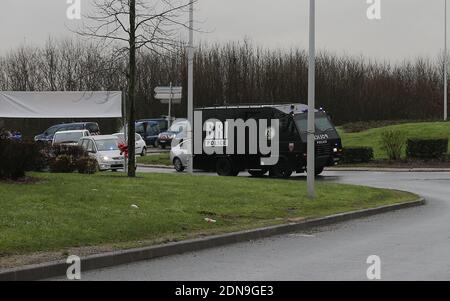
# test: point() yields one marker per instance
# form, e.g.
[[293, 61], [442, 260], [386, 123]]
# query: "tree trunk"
[[131, 92]]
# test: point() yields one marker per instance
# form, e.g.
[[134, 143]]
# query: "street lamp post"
[[311, 101], [445, 61], [190, 106]]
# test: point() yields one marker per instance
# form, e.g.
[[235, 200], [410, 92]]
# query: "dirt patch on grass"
[[21, 181]]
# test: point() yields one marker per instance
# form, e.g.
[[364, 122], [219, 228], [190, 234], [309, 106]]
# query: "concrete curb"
[[154, 166], [54, 269], [374, 169], [385, 169]]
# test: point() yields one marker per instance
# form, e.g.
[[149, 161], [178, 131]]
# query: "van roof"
[[100, 137], [72, 131]]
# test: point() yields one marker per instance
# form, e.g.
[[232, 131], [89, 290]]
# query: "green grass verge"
[[71, 210], [157, 159], [372, 137]]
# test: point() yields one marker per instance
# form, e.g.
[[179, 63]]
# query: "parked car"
[[105, 149], [176, 131], [179, 155], [141, 147], [47, 135], [163, 123], [69, 137], [149, 131]]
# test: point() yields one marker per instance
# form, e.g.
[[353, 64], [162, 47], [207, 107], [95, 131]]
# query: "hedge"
[[426, 148], [357, 154], [17, 157]]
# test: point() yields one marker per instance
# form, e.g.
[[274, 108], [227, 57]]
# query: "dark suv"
[[163, 123], [47, 136], [149, 131]]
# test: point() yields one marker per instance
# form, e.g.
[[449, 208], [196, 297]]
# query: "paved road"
[[413, 244]]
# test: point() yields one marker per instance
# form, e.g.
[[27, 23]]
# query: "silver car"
[[179, 155], [105, 150]]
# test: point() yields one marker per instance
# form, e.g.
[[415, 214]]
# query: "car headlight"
[[335, 150], [105, 158]]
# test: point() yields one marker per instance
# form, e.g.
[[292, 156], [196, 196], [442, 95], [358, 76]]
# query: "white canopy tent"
[[68, 104]]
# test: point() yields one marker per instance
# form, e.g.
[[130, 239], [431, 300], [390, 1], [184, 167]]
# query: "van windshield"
[[107, 145], [323, 124]]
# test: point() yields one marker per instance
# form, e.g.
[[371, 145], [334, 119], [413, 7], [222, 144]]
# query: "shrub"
[[61, 158], [75, 151], [426, 148], [393, 142], [17, 157], [357, 154], [63, 163], [87, 165]]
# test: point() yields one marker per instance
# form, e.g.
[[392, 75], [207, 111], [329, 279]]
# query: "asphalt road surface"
[[413, 244]]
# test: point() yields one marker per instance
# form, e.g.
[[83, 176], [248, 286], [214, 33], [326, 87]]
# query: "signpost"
[[445, 62], [310, 174], [169, 95], [190, 106]]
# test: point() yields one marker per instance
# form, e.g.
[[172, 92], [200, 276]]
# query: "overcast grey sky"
[[408, 28]]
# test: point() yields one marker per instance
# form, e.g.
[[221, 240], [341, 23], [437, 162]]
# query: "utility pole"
[[190, 107], [445, 62], [311, 102], [169, 121]]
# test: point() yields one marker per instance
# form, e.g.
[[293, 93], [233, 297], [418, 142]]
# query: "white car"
[[141, 146], [69, 137], [179, 155], [105, 149]]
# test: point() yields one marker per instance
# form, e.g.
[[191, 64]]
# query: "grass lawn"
[[71, 210], [156, 159], [372, 137]]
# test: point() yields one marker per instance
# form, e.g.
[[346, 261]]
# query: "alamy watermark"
[[74, 269], [73, 11], [374, 10], [238, 137], [374, 270]]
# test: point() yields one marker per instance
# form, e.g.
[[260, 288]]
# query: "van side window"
[[92, 127], [139, 128], [163, 125], [52, 130], [153, 130]]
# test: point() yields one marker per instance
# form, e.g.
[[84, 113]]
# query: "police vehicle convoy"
[[228, 153]]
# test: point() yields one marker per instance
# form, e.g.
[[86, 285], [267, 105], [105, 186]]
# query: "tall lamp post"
[[445, 61], [311, 102], [190, 106]]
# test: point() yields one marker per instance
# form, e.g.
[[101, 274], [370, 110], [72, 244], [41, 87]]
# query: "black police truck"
[[292, 149]]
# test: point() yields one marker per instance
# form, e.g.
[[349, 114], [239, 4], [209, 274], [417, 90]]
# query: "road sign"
[[169, 95], [166, 94]]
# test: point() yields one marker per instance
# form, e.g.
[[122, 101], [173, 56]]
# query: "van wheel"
[[318, 171], [257, 173], [281, 170], [178, 165], [225, 167]]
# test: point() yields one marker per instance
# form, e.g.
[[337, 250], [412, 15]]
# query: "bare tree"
[[128, 26]]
